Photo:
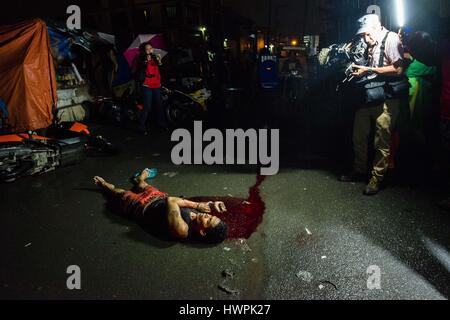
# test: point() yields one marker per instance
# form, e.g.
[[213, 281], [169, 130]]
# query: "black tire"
[[102, 145], [178, 116], [182, 114]]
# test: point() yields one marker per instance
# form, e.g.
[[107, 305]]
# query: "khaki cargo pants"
[[383, 117]]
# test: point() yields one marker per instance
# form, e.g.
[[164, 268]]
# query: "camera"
[[339, 58]]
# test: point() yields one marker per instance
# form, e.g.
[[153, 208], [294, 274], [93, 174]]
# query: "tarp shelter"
[[60, 35], [27, 75]]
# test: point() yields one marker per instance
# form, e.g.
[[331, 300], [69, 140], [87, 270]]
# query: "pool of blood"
[[243, 216]]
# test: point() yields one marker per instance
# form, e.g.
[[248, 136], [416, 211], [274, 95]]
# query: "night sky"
[[288, 16]]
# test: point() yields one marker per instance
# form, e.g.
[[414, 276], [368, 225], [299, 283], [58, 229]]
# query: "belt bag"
[[375, 92], [398, 89]]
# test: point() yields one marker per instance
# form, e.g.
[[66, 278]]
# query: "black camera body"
[[339, 58]]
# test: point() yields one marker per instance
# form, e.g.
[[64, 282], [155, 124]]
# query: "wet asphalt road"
[[317, 240]]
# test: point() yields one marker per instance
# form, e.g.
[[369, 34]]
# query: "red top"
[[153, 79]]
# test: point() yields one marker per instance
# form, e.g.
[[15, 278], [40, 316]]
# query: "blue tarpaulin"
[[124, 73], [3, 109], [60, 42]]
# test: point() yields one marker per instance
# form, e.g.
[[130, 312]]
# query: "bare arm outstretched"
[[204, 207]]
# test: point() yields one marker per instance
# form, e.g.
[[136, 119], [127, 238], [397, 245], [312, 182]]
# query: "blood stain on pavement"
[[243, 216]]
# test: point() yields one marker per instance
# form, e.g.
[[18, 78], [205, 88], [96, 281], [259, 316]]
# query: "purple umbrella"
[[155, 40]]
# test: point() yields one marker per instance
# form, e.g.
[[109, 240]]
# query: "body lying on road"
[[172, 217]]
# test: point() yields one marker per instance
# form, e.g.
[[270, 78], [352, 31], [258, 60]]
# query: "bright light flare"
[[400, 12]]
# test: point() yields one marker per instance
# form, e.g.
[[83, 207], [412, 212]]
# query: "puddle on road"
[[244, 215]]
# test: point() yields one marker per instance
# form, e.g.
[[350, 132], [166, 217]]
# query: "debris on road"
[[170, 174], [321, 287], [228, 290], [244, 245], [329, 283], [305, 276], [324, 257], [228, 274], [27, 245], [227, 249], [308, 232]]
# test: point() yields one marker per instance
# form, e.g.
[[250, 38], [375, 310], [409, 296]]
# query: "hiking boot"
[[353, 177], [373, 187]]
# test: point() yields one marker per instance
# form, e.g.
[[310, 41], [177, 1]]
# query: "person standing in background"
[[149, 81], [429, 52]]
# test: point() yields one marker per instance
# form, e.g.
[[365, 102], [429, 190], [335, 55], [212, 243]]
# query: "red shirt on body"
[[133, 204], [153, 79]]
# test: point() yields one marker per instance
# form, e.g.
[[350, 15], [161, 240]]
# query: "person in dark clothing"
[[432, 53], [166, 216], [149, 81], [292, 64]]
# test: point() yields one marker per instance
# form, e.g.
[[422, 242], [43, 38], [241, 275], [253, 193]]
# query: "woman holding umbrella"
[[149, 81]]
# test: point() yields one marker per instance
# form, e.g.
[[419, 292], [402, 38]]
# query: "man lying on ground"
[[179, 219]]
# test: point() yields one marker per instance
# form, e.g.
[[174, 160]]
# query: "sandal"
[[152, 173]]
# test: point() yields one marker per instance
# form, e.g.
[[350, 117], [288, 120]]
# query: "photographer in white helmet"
[[380, 109]]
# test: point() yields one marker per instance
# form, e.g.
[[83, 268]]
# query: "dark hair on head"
[[142, 52], [143, 45], [216, 235]]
